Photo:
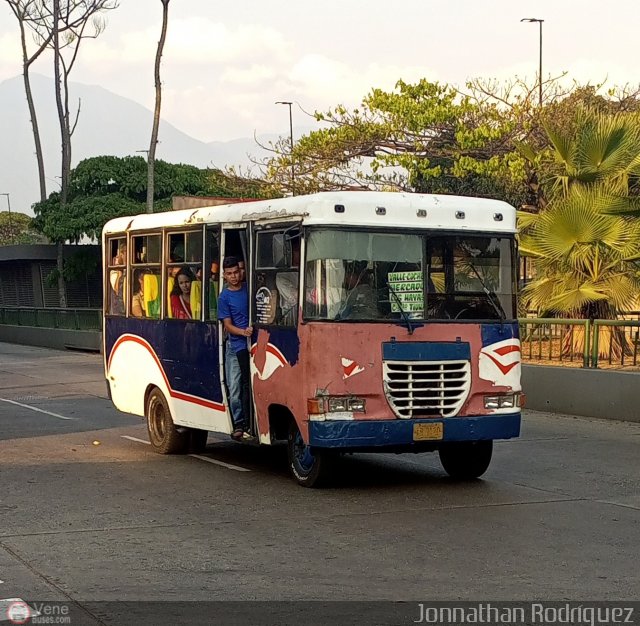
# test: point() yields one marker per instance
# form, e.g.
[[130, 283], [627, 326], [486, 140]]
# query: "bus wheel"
[[164, 437], [466, 460], [197, 439], [309, 468]]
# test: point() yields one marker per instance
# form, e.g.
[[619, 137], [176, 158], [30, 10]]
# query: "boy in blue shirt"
[[233, 311]]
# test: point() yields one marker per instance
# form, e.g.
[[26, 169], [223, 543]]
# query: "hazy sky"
[[226, 63]]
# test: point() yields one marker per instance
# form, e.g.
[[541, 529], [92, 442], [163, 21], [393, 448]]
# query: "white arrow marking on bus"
[[35, 408], [237, 468]]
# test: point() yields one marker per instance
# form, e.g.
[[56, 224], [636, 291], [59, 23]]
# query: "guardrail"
[[68, 319], [581, 343]]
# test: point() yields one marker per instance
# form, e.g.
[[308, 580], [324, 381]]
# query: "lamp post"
[[10, 225], [539, 21], [293, 171]]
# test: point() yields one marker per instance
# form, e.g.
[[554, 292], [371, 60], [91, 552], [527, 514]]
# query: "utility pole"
[[539, 21], [293, 171], [10, 225]]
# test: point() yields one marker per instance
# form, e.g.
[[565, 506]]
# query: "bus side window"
[[184, 260], [145, 294], [276, 289], [116, 276], [211, 274]]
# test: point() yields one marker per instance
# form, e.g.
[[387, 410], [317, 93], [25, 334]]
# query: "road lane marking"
[[148, 443], [35, 408], [237, 468]]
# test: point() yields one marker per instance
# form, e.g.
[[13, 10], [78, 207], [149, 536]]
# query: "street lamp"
[[9, 205], [535, 19], [293, 172]]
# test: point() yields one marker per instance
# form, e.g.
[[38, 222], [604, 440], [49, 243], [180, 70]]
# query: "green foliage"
[[586, 252], [424, 137], [105, 187], [18, 228]]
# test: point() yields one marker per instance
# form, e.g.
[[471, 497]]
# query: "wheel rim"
[[302, 454], [156, 420]]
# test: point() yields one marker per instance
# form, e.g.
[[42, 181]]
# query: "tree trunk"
[[26, 64], [151, 157], [64, 144], [62, 288]]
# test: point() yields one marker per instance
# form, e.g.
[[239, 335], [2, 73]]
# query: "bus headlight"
[[337, 404], [503, 401]]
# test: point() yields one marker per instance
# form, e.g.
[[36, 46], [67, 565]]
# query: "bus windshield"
[[385, 276]]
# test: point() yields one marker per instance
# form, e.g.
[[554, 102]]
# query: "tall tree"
[[63, 25], [151, 155], [587, 256], [425, 137], [33, 15]]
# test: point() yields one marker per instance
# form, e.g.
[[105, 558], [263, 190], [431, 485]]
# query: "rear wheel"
[[466, 460], [309, 467], [163, 435]]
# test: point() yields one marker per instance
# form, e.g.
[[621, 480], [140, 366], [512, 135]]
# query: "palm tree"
[[586, 251]]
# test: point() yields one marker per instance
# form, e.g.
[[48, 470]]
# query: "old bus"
[[382, 322]]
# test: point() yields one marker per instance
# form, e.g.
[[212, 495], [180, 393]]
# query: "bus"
[[382, 322]]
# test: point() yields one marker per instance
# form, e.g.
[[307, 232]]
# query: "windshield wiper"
[[405, 317], [496, 306]]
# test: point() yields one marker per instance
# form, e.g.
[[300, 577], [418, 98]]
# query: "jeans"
[[234, 383], [245, 386]]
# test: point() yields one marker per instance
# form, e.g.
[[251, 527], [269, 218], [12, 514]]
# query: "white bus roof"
[[361, 208]]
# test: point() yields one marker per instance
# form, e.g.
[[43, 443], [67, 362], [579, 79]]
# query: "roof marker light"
[[339, 208], [460, 215], [497, 217], [380, 210], [421, 213]]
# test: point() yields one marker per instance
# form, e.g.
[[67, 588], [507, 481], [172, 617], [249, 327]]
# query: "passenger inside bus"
[[117, 279], [137, 300], [359, 301], [181, 294]]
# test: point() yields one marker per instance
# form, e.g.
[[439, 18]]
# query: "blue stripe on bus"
[[426, 351], [378, 433], [493, 333]]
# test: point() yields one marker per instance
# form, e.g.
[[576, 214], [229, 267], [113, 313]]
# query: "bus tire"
[[466, 460], [309, 468], [197, 440], [163, 435]]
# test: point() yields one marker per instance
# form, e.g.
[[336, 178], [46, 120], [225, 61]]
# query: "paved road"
[[555, 517]]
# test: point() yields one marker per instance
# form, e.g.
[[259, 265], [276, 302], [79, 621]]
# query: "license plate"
[[425, 432]]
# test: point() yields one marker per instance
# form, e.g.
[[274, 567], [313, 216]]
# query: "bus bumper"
[[399, 433]]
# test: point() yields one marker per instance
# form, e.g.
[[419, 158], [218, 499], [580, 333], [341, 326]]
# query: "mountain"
[[108, 125]]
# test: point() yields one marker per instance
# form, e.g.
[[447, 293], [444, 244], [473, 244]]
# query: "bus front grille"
[[426, 388]]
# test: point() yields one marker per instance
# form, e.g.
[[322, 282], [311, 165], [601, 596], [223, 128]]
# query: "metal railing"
[[68, 319], [581, 343]]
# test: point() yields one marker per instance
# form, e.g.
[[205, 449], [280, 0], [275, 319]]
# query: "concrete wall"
[[608, 394], [57, 338]]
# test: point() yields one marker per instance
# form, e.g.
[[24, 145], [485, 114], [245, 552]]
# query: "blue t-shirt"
[[234, 305]]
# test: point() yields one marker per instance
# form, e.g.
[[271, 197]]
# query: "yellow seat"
[[151, 292], [196, 299], [170, 283]]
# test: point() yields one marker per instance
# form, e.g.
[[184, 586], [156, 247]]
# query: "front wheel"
[[309, 467], [465, 460], [163, 435]]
